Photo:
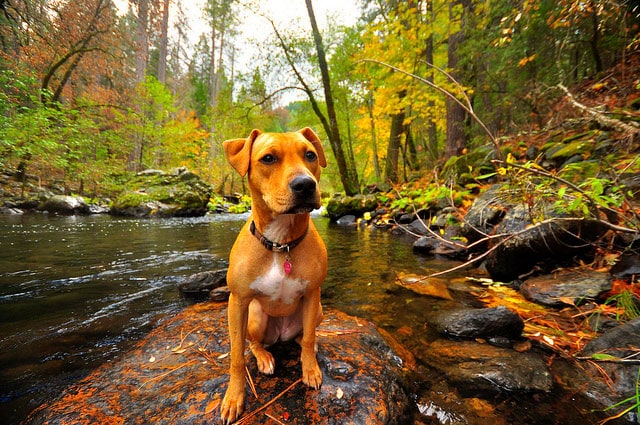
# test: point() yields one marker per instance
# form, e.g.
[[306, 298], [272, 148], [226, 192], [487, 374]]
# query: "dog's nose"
[[303, 185]]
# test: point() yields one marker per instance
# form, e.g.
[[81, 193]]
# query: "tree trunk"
[[395, 138], [595, 38], [142, 40], [162, 60], [348, 173], [432, 131], [456, 115], [374, 139]]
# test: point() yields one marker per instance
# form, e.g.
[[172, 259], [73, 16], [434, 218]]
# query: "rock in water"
[[65, 205], [181, 194], [179, 373], [478, 323]]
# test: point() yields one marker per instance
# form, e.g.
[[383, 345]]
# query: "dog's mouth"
[[302, 208]]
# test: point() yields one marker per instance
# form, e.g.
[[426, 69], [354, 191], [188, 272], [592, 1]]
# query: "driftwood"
[[632, 132]]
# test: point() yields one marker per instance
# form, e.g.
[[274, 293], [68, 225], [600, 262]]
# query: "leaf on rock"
[[424, 285]]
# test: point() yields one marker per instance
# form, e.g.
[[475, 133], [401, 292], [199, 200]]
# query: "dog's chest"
[[277, 286]]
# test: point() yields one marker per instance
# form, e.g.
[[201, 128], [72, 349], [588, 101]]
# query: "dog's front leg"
[[311, 318], [233, 402]]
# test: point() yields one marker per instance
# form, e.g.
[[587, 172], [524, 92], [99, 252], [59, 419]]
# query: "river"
[[78, 292], [75, 292]]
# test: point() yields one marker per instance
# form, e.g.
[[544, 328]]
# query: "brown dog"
[[278, 262]]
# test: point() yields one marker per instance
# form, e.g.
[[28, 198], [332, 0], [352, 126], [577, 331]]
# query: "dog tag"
[[287, 267]]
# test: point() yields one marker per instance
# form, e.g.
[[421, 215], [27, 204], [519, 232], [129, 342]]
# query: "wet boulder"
[[179, 373], [65, 205], [478, 323], [548, 243], [486, 367], [484, 214], [198, 286], [157, 194], [566, 287], [613, 355]]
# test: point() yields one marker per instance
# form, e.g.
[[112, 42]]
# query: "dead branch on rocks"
[[631, 131]]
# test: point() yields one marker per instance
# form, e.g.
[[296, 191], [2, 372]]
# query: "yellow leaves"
[[557, 330]]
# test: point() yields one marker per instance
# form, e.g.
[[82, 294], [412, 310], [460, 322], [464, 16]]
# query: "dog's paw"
[[231, 407], [311, 375], [266, 363]]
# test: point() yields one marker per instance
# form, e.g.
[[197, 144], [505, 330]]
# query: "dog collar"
[[275, 246]]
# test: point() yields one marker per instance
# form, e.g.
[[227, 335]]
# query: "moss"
[[182, 192]]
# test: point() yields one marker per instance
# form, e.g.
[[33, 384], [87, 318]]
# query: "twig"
[[475, 259], [162, 375], [252, 385], [249, 416]]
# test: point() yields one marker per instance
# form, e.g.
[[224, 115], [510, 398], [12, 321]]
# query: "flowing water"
[[77, 292]]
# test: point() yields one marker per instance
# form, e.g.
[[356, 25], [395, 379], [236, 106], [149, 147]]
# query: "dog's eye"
[[268, 159], [311, 156]]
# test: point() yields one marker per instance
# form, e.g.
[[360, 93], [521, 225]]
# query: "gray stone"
[[65, 205], [478, 323], [566, 287]]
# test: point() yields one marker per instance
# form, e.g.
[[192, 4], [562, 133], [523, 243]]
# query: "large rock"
[[566, 287], [65, 205], [478, 323], [522, 244], [486, 367], [486, 211], [179, 372], [351, 205], [156, 194], [548, 244], [198, 286]]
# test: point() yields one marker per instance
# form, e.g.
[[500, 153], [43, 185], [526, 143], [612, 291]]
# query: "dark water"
[[75, 292]]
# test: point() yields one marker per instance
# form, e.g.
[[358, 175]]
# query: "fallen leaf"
[[339, 394], [152, 359], [424, 285]]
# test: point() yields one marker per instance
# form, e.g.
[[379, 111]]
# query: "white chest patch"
[[277, 286]]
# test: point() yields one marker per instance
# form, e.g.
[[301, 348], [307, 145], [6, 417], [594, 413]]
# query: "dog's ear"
[[238, 152], [311, 136]]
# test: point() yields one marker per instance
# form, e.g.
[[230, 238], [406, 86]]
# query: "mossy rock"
[[351, 205], [180, 194]]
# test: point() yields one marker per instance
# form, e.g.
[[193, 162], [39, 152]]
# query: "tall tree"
[[221, 21], [164, 42], [142, 39], [348, 173], [456, 139]]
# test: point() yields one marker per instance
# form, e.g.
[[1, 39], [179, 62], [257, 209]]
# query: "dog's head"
[[283, 168]]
